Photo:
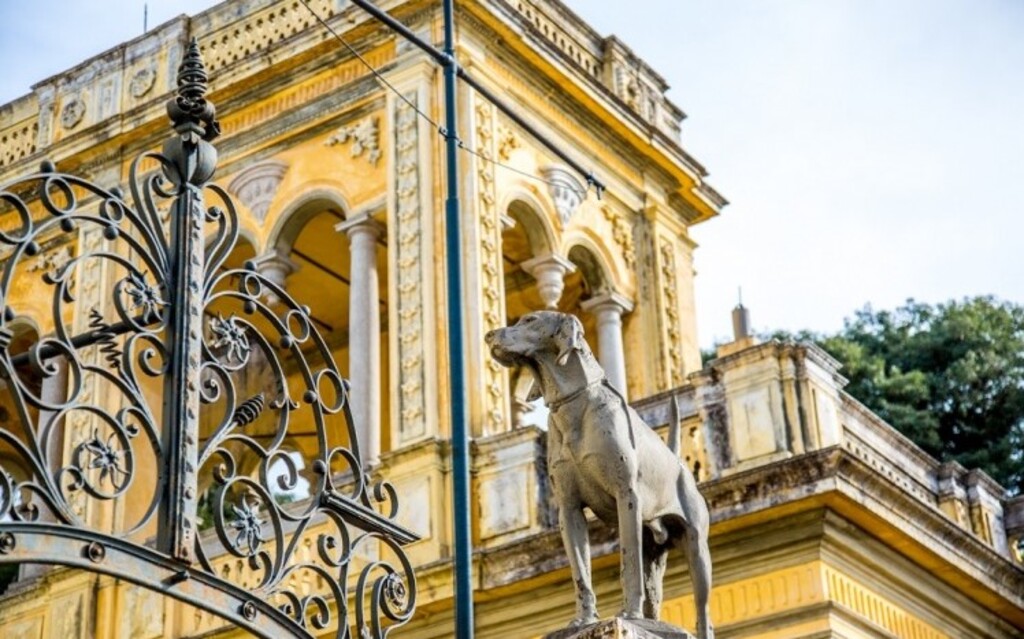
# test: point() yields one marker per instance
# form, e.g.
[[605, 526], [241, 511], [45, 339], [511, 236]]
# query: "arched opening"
[[522, 244], [335, 262]]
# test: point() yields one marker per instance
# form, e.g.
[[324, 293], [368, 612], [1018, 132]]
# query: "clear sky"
[[872, 150]]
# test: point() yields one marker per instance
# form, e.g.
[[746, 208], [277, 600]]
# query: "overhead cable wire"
[[482, 155]]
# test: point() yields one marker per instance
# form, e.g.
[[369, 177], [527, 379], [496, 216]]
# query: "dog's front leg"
[[575, 538], [629, 547]]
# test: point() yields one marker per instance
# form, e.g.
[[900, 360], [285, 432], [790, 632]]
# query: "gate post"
[[192, 160]]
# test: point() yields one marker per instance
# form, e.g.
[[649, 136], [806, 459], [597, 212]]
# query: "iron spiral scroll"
[[136, 439]]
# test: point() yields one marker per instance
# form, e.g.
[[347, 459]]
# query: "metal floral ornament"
[[157, 357]]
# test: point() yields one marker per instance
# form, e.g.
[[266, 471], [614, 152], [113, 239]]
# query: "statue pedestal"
[[622, 629]]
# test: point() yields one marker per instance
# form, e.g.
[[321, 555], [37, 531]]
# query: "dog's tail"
[[673, 426]]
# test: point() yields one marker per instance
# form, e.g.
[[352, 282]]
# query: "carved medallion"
[[72, 113], [142, 81]]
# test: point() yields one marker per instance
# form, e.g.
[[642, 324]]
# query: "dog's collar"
[[557, 403]]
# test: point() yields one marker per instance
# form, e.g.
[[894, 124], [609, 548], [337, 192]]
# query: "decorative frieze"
[[670, 298], [364, 137], [409, 268], [492, 285]]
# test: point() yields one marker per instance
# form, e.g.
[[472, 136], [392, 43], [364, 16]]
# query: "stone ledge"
[[622, 629]]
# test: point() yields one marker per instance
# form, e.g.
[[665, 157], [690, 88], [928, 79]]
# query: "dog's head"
[[535, 336]]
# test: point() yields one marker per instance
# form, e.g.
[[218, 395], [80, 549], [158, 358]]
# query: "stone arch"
[[299, 212], [611, 268], [533, 218]]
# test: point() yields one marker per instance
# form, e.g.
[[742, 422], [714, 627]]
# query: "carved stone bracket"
[[256, 186], [566, 191]]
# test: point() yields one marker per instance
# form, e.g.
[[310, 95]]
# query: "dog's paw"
[[630, 614]]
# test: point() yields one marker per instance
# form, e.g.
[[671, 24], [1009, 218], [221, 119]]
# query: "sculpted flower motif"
[[106, 458], [249, 526], [230, 338], [144, 296]]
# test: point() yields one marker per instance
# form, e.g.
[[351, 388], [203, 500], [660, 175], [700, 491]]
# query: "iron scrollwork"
[[177, 400]]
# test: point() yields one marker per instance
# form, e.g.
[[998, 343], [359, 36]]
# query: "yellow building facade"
[[826, 521]]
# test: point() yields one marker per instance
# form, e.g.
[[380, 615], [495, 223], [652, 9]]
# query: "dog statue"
[[603, 456]]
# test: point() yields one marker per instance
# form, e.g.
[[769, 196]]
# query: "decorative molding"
[[865, 602], [364, 136], [492, 284], [256, 185], [72, 112], [622, 233], [409, 269], [283, 102], [670, 297], [566, 191]]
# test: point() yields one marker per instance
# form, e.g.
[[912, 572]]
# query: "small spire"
[[740, 320]]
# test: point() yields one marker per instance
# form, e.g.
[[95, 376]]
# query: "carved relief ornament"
[[142, 82], [364, 136], [72, 113]]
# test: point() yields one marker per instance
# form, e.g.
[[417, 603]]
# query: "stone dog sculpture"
[[601, 455]]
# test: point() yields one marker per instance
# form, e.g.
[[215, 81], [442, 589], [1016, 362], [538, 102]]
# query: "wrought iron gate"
[[141, 449]]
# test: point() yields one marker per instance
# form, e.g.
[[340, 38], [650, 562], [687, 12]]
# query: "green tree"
[[950, 377]]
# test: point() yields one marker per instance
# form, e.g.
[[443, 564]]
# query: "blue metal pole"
[[456, 362]]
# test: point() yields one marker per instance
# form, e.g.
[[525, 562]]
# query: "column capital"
[[275, 260], [607, 301], [548, 263], [363, 222], [276, 267], [549, 270]]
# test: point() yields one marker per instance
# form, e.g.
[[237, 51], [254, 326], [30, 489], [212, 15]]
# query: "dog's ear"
[[569, 338]]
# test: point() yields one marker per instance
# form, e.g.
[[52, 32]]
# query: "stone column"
[[364, 333], [608, 308], [276, 267], [549, 271]]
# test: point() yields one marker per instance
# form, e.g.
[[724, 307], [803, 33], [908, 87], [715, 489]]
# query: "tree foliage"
[[950, 377]]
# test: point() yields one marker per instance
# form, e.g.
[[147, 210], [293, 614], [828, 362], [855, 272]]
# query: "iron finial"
[[190, 111]]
